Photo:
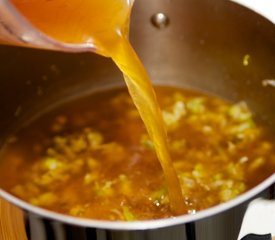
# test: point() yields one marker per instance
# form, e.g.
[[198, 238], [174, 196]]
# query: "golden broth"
[[93, 158], [105, 25]]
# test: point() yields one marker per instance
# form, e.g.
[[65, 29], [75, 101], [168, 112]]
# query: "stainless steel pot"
[[215, 46]]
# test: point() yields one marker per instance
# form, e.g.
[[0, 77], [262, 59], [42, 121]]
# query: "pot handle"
[[266, 8], [252, 236], [259, 219]]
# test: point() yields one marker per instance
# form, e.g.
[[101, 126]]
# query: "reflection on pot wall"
[[213, 45]]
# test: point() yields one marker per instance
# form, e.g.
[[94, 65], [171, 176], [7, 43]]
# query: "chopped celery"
[[178, 145], [146, 142], [105, 189], [172, 117], [125, 186], [127, 214], [159, 196], [256, 163], [242, 127], [94, 138], [239, 112], [46, 199], [78, 210], [196, 105], [51, 163], [246, 60]]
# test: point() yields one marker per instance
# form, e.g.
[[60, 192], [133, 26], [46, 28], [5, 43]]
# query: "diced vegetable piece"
[[178, 111], [242, 127], [159, 196], [90, 178], [92, 163], [125, 186], [199, 171], [46, 199], [127, 214], [78, 144], [178, 145], [52, 163], [78, 210], [246, 60], [105, 189], [256, 163], [231, 190], [146, 142], [94, 138], [196, 105], [240, 112]]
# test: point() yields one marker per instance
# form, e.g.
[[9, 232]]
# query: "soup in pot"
[[93, 158]]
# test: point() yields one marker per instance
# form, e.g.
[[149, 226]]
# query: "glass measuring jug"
[[64, 25]]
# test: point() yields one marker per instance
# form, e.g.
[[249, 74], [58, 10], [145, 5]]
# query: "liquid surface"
[[104, 24], [217, 150]]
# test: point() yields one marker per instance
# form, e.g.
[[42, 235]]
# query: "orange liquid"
[[104, 23]]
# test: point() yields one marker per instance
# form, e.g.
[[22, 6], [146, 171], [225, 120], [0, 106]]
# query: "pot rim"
[[139, 225]]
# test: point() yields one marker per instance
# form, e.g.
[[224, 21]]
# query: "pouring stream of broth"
[[104, 25]]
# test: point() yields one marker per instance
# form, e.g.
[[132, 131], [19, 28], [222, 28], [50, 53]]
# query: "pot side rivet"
[[160, 20]]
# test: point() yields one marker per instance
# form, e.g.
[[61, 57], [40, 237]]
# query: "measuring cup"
[[15, 29]]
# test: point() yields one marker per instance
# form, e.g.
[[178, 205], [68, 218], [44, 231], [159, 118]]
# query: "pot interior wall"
[[213, 45]]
